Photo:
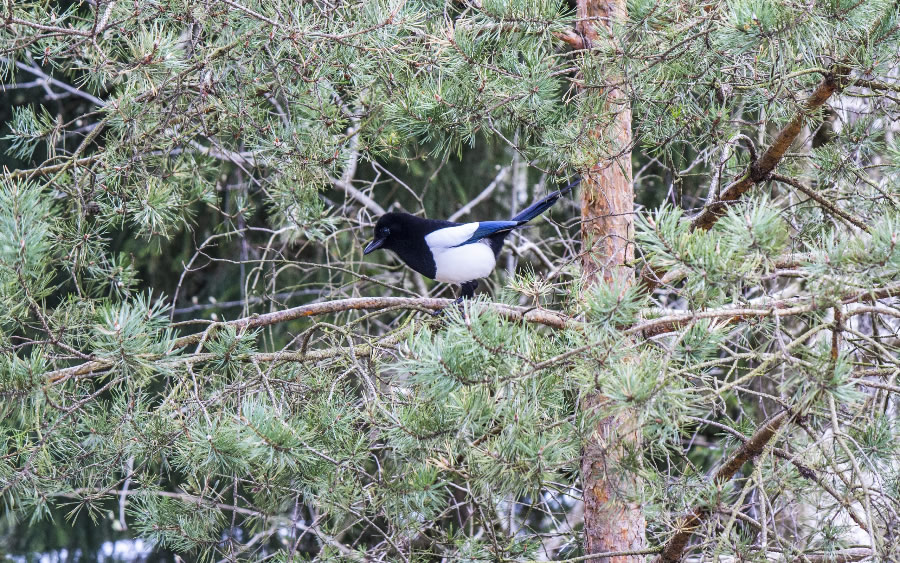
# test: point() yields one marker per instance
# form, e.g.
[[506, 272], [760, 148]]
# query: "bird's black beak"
[[374, 245]]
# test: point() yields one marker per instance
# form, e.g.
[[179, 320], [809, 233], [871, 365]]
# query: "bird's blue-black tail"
[[542, 205]]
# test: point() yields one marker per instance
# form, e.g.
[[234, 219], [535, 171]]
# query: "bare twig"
[[482, 196], [33, 69], [358, 195], [832, 208]]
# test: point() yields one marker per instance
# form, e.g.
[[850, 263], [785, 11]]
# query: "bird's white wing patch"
[[463, 263], [450, 236]]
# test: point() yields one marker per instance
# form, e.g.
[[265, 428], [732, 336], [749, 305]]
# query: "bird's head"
[[388, 230]]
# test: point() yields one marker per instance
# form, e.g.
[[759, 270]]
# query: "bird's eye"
[[384, 232]]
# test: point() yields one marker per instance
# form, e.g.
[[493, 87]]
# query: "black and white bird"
[[460, 253]]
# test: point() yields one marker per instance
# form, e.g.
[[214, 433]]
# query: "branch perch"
[[546, 317], [526, 314], [539, 316]]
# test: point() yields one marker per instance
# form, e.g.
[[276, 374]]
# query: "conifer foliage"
[[194, 352]]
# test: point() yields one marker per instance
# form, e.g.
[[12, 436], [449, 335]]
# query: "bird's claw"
[[440, 312]]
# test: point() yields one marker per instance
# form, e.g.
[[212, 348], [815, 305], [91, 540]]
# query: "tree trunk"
[[611, 522]]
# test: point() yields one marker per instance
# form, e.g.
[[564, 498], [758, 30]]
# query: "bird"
[[457, 253]]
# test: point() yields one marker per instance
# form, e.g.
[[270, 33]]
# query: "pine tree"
[[697, 357]]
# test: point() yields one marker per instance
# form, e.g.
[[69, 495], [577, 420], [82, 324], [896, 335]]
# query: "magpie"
[[459, 253]]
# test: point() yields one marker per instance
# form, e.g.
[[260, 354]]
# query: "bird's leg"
[[466, 291]]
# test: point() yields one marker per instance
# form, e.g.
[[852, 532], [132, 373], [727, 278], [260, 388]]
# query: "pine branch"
[[51, 168], [673, 549], [525, 314], [651, 279], [97, 494], [804, 471], [768, 308], [761, 168], [546, 317], [11, 21]]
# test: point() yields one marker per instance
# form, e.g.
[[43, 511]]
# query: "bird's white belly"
[[463, 263]]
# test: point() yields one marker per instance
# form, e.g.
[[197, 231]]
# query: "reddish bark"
[[611, 522]]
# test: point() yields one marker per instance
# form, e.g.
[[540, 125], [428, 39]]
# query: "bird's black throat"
[[407, 240]]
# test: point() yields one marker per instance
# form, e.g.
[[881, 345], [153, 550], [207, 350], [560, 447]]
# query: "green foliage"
[[26, 247], [876, 443], [28, 129], [741, 244], [229, 347], [178, 525], [20, 376], [700, 342], [173, 166], [614, 305], [130, 335]]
